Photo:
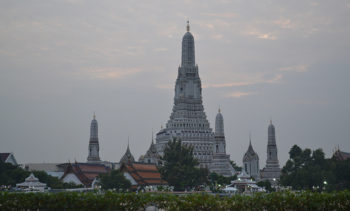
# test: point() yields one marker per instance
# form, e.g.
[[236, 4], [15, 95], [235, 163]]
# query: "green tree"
[[265, 184], [306, 169], [180, 169], [235, 166], [221, 180], [11, 175], [114, 179], [54, 182]]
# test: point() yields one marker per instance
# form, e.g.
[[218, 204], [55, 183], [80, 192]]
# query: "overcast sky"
[[60, 61]]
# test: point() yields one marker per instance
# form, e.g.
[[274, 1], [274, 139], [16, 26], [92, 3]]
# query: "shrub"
[[133, 201]]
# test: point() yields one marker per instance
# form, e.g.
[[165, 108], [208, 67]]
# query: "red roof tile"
[[144, 174], [4, 156], [86, 172]]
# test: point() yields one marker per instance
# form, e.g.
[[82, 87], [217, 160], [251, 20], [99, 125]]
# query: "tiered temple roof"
[[143, 174]]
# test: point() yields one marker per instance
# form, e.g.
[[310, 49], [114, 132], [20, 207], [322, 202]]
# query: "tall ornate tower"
[[94, 147], [188, 120], [221, 161], [272, 170]]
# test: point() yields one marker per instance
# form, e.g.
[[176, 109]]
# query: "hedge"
[[133, 201]]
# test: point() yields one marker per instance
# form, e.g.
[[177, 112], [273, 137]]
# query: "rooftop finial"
[[152, 135], [188, 26], [219, 109], [128, 141], [250, 138], [94, 115]]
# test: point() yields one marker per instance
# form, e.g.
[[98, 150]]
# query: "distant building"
[[8, 157], [251, 162], [142, 176], [127, 157], [272, 170], [243, 184], [31, 183], [221, 161], [340, 155], [188, 121], [151, 155], [53, 169], [83, 173], [94, 146]]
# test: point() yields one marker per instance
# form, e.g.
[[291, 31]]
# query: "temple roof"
[[250, 154], [4, 156], [152, 151], [31, 181], [340, 155], [127, 157], [86, 172], [144, 174]]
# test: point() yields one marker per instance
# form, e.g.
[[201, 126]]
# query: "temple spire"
[[219, 124], [188, 57], [94, 148]]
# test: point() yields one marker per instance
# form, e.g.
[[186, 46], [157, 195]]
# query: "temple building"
[[221, 161], [8, 157], [31, 183], [83, 173], [127, 157], [188, 121], [143, 176], [94, 147], [340, 155], [251, 162], [272, 169], [151, 155]]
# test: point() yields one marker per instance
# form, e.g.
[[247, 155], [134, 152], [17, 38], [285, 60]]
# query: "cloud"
[[276, 79], [248, 81], [112, 73], [267, 36], [217, 36], [221, 15], [238, 94], [295, 68], [285, 23], [260, 35], [165, 86], [160, 49], [233, 84], [309, 102]]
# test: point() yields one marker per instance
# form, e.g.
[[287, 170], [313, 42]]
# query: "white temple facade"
[[272, 170], [221, 161], [31, 183], [188, 121], [251, 162], [94, 147]]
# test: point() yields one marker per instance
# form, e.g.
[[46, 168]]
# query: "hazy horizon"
[[61, 61]]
